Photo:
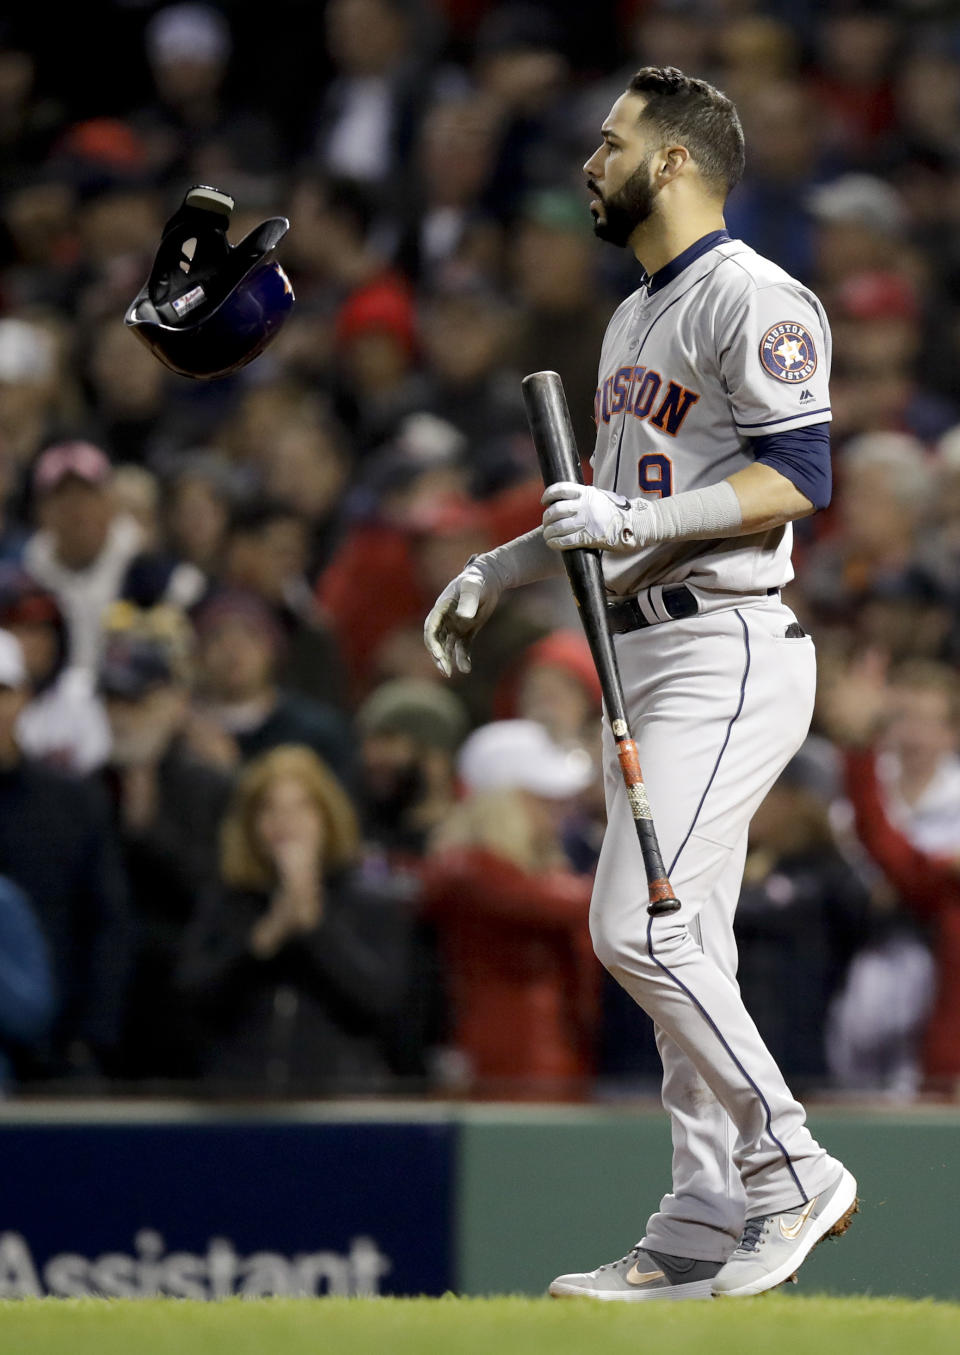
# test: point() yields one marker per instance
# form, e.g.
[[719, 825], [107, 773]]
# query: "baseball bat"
[[549, 419]]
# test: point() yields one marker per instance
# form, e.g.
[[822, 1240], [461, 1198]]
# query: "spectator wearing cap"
[[114, 208], [860, 224], [511, 918], [117, 214], [410, 731], [377, 359], [426, 460], [58, 845], [240, 709], [83, 545], [189, 48], [557, 685], [167, 810], [64, 723]]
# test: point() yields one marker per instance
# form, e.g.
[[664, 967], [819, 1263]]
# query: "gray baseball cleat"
[[773, 1246], [641, 1275]]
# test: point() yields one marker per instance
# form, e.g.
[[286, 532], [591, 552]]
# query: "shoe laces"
[[752, 1232], [631, 1256]]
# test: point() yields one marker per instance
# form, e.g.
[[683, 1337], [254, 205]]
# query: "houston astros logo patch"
[[787, 352]]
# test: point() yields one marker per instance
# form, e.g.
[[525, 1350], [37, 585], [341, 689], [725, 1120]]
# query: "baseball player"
[[712, 413]]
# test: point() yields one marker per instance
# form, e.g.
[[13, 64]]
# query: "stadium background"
[[275, 540]]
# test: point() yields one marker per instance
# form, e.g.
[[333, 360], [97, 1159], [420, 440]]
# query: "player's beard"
[[628, 208]]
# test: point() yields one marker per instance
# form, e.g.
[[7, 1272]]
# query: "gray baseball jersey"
[[728, 348]]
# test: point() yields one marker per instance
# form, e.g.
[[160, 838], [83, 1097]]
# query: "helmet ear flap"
[[266, 236]]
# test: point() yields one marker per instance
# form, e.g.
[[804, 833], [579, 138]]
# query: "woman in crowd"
[[294, 965]]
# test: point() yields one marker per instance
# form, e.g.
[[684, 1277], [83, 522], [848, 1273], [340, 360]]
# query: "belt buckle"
[[681, 603], [625, 616]]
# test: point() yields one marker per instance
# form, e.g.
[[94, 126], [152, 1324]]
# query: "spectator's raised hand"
[[855, 705], [300, 871]]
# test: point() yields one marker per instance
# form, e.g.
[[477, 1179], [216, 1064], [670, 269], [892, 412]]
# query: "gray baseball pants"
[[718, 704]]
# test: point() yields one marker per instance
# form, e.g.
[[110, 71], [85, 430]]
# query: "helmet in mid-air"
[[209, 307]]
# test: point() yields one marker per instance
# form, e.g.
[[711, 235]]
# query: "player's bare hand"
[[457, 615], [584, 517]]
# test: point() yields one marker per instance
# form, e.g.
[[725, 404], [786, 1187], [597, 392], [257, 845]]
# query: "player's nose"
[[593, 165]]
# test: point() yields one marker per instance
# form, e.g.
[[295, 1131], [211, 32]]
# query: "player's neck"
[[659, 239]]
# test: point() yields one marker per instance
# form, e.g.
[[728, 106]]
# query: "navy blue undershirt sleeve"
[[803, 456]]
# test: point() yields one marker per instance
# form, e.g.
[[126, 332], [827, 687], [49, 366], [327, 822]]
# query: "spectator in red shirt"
[[512, 919], [928, 883], [409, 560]]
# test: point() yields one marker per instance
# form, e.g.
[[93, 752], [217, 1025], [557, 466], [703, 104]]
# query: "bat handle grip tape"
[[662, 898]]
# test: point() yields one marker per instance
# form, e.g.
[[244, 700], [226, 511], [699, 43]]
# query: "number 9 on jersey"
[[655, 474]]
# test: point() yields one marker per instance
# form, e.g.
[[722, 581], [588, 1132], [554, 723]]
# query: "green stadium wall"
[[481, 1199], [552, 1190]]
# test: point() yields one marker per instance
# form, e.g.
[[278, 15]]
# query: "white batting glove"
[[459, 612], [583, 516]]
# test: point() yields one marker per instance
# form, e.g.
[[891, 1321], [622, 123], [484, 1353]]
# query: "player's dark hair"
[[692, 112]]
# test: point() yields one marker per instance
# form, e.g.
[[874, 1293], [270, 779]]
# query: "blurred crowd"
[[251, 842]]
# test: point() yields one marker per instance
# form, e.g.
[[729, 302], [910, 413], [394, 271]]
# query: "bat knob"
[[662, 906]]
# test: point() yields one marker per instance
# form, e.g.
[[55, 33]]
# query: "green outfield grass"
[[786, 1325]]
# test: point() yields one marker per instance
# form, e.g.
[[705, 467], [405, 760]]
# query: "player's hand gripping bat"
[[549, 420]]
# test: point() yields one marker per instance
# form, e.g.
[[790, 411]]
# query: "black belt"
[[677, 601]]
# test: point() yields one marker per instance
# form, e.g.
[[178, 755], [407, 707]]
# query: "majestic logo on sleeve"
[[787, 352]]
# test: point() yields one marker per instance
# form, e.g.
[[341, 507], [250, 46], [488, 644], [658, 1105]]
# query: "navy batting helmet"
[[209, 307]]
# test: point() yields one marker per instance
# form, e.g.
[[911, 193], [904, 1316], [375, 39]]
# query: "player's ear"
[[673, 160]]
